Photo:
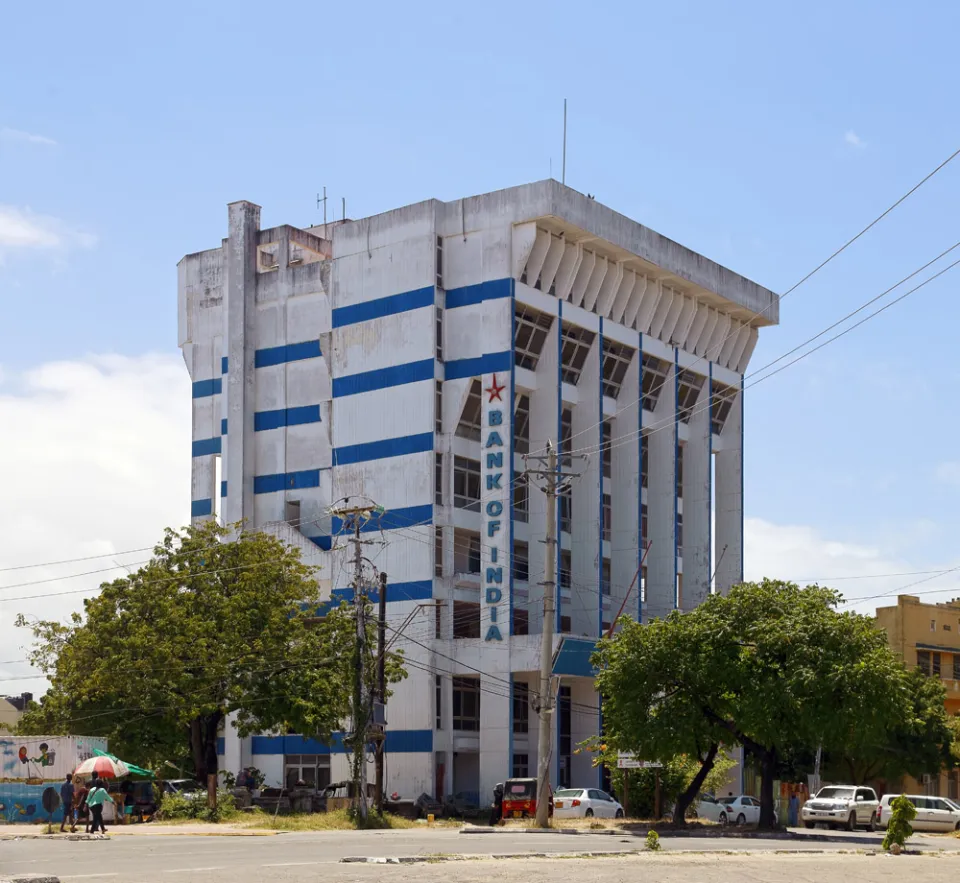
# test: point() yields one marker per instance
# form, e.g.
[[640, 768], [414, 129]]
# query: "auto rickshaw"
[[520, 799]]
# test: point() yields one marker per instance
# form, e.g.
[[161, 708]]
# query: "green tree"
[[210, 628], [770, 666], [899, 829], [655, 680]]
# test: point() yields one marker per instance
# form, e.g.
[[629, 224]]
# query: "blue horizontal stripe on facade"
[[223, 426], [221, 745], [264, 420], [204, 388], [392, 519], [199, 508], [383, 378], [380, 450], [202, 447], [418, 590], [384, 306], [223, 488], [224, 364], [395, 742], [287, 352], [475, 367], [268, 484], [475, 294]]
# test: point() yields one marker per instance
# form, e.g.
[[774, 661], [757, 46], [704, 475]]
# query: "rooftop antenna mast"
[[324, 201], [563, 173]]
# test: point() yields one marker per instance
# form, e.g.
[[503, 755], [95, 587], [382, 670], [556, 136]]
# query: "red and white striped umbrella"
[[104, 767]]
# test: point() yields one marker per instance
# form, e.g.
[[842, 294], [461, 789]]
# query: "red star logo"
[[495, 390]]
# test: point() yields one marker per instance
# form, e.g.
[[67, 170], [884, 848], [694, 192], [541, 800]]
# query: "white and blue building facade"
[[414, 358]]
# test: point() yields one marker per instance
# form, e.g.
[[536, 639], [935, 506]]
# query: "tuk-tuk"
[[520, 799]]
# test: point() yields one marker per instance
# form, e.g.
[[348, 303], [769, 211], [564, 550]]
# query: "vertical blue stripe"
[[224, 364], [676, 459], [223, 426], [602, 481], [641, 543], [710, 511], [556, 502], [223, 488], [513, 515]]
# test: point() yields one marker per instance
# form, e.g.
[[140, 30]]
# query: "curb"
[[434, 859], [47, 837], [674, 834], [30, 878]]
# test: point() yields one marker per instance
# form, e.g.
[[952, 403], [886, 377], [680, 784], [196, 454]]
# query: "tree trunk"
[[212, 725], [688, 796], [768, 760], [197, 750]]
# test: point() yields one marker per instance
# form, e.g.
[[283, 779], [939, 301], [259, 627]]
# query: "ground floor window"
[[521, 766], [311, 769]]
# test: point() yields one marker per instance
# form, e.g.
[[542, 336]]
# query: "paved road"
[[307, 856]]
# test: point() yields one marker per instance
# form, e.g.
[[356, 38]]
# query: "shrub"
[[899, 828], [653, 841], [193, 805]]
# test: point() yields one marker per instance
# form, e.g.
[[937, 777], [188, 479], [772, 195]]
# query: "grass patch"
[[338, 820]]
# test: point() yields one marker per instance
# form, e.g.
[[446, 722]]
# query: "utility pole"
[[553, 482], [381, 684]]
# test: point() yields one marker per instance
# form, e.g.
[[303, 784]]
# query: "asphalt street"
[[305, 856]]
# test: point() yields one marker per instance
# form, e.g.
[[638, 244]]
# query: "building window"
[[438, 620], [469, 426], [521, 707], [680, 534], [689, 385], [616, 361], [521, 561], [605, 583], [607, 517], [439, 702], [644, 460], [933, 625], [466, 620], [521, 497], [566, 437], [607, 446], [439, 334], [521, 621], [438, 408], [936, 664], [575, 344], [439, 262], [521, 766], [311, 769], [466, 704], [530, 334], [655, 372], [720, 405], [679, 471], [566, 510], [956, 666], [521, 425], [565, 625], [466, 551], [438, 551], [566, 742], [566, 570], [643, 522], [438, 479], [466, 484], [923, 661], [643, 585]]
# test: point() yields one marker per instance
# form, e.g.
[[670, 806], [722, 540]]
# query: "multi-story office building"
[[416, 357]]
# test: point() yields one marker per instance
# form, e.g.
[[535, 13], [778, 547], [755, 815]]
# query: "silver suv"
[[846, 806]]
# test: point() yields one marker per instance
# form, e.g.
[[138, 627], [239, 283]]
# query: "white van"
[[933, 813]]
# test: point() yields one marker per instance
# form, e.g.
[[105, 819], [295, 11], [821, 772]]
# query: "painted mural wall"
[[29, 765]]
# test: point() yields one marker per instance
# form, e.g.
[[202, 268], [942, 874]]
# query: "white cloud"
[[21, 228], [949, 472], [852, 139], [801, 554], [26, 137], [97, 460]]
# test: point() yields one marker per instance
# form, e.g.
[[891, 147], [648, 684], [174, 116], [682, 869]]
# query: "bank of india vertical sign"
[[496, 473]]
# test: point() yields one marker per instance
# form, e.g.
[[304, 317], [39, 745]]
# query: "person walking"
[[97, 797], [496, 813], [66, 798], [80, 808]]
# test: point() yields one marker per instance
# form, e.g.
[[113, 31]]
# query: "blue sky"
[[760, 136]]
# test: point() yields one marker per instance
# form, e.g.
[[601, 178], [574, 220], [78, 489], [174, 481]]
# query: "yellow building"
[[928, 636]]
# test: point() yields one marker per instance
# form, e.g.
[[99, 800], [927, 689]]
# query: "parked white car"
[[933, 813], [842, 806], [579, 803], [742, 810]]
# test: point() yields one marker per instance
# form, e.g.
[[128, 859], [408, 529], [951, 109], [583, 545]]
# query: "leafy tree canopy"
[[211, 627]]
